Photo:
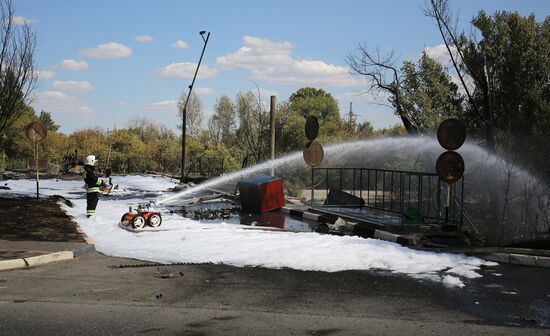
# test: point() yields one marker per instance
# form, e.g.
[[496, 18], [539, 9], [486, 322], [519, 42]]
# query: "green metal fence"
[[394, 191]]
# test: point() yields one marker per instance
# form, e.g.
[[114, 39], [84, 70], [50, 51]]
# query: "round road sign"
[[451, 134], [313, 153], [450, 167], [36, 131], [312, 127]]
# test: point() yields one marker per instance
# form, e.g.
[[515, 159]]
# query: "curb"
[[517, 259], [359, 229], [45, 258]]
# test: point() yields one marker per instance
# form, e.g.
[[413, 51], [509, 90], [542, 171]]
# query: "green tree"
[[18, 78], [194, 114], [147, 130], [128, 151], [317, 102], [289, 129], [383, 76], [46, 119], [223, 122], [365, 130], [14, 143], [428, 93], [252, 133], [512, 56], [395, 130]]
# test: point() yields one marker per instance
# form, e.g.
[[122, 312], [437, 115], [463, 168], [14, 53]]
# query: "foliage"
[[364, 130], [194, 114], [17, 79], [428, 94], [513, 55], [253, 132], [395, 130], [223, 123], [46, 119], [317, 102], [16, 146], [289, 129]]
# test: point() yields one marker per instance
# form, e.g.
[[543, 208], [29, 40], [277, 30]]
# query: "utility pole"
[[272, 129], [351, 115], [184, 112]]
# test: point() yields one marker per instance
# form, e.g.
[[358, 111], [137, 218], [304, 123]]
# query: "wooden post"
[[272, 129], [36, 167]]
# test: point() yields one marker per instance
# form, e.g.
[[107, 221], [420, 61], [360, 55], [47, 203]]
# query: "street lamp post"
[[184, 112]]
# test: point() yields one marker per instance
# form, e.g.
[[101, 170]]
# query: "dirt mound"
[[41, 220]]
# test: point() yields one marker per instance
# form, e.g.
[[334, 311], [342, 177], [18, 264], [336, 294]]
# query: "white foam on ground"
[[190, 241]]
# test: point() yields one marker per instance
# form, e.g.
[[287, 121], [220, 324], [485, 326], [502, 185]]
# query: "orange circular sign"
[[36, 131], [313, 153], [450, 167]]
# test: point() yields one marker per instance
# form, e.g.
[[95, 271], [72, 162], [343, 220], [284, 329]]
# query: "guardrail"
[[394, 191]]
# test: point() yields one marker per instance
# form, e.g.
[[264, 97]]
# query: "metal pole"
[[36, 167], [447, 203], [184, 114], [312, 188], [272, 128], [462, 203]]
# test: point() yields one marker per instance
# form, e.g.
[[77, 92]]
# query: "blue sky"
[[104, 62]]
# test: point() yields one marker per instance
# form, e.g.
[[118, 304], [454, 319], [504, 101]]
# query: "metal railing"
[[394, 191]]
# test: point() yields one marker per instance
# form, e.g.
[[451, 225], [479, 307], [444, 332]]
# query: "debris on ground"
[[160, 275], [210, 213]]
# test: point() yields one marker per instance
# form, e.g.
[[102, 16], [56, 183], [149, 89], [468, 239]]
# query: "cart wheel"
[[124, 221], [154, 220], [138, 222]]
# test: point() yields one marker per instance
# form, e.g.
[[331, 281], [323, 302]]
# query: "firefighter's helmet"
[[90, 160]]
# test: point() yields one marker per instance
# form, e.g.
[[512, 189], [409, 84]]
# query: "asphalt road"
[[86, 297]]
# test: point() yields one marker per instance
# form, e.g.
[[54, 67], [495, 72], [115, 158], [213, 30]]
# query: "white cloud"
[[186, 70], [206, 91], [70, 64], [440, 54], [164, 106], [108, 51], [272, 62], [144, 38], [44, 74], [21, 20], [62, 103], [72, 86], [122, 103], [179, 44]]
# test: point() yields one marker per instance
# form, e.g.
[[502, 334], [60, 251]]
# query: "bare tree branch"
[[17, 74], [383, 75], [441, 13]]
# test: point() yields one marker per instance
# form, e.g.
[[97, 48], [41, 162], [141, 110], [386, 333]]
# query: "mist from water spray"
[[492, 182], [232, 176], [372, 153]]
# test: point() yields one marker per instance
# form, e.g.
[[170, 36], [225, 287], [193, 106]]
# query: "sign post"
[[313, 153], [36, 132], [451, 135]]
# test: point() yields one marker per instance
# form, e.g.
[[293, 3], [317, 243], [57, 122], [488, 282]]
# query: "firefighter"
[[92, 185]]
